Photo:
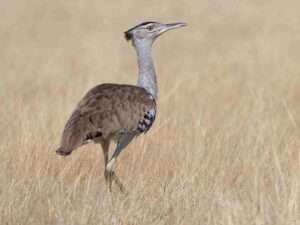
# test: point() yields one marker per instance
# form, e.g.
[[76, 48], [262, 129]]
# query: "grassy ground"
[[224, 148]]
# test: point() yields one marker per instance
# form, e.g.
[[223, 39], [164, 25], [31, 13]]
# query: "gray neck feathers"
[[147, 76]]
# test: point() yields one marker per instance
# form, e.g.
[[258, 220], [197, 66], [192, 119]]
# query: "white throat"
[[147, 76]]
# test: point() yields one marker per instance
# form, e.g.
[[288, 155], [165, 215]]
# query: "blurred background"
[[224, 148]]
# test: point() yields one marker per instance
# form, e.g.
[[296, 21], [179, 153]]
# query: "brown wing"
[[105, 111]]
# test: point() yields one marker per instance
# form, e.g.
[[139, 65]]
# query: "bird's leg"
[[111, 176], [105, 148], [109, 170]]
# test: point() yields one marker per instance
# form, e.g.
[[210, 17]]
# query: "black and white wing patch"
[[145, 124]]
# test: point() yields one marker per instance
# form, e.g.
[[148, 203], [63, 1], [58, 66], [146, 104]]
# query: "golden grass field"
[[224, 148]]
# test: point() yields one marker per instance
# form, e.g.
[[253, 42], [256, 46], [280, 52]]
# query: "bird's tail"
[[63, 151], [73, 134]]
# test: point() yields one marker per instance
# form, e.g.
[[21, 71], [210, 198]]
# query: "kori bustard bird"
[[118, 112]]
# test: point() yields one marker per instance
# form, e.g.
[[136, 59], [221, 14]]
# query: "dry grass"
[[225, 146]]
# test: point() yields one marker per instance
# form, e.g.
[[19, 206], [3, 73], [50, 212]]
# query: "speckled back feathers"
[[105, 112]]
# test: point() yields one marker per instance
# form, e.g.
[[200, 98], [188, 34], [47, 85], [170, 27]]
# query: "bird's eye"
[[150, 28]]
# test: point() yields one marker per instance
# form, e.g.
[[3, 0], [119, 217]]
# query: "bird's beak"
[[171, 26]]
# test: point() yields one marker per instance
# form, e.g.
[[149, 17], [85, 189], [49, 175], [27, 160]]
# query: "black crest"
[[128, 34]]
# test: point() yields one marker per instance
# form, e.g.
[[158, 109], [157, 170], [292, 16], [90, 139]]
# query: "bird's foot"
[[110, 176]]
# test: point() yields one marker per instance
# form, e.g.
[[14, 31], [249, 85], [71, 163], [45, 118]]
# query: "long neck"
[[147, 76]]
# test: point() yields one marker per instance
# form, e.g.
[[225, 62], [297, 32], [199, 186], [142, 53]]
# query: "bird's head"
[[149, 31]]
